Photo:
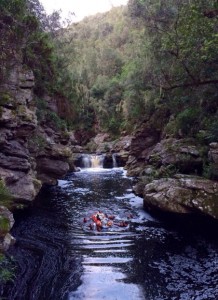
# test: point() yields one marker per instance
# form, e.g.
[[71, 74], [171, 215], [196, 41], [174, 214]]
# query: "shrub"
[[187, 121]]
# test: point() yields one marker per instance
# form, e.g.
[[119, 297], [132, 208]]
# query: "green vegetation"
[[149, 58], [27, 36], [5, 198], [7, 269]]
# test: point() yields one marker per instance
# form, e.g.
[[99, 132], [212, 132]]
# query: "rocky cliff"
[[177, 175], [31, 154]]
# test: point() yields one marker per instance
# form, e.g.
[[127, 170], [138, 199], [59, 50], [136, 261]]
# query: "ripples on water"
[[57, 259]]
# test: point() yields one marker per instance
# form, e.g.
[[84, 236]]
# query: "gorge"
[[83, 125]]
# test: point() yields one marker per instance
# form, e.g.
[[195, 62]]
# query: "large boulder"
[[183, 194], [23, 187], [49, 170]]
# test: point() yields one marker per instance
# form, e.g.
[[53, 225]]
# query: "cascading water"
[[97, 161], [92, 161], [86, 161], [114, 160]]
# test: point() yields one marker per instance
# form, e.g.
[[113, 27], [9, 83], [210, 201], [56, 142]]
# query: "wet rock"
[[8, 241], [183, 194], [122, 158], [6, 223], [49, 170]]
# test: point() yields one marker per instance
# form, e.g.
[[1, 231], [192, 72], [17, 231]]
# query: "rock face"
[[141, 145], [169, 170], [183, 154], [184, 194], [18, 121], [30, 154]]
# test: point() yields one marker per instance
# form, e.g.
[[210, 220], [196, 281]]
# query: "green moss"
[[24, 114], [4, 225], [5, 196]]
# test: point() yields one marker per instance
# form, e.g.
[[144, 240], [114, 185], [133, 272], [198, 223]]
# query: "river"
[[59, 257]]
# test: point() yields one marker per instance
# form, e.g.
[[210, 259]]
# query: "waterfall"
[[97, 161], [92, 161], [114, 160]]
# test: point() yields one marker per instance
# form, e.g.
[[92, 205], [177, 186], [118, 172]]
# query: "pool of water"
[[58, 258]]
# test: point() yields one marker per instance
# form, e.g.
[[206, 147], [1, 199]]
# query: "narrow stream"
[[59, 257]]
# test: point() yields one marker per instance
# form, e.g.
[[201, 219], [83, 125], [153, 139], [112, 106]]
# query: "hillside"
[[144, 58]]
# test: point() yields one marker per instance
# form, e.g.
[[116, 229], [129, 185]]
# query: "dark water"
[[57, 259]]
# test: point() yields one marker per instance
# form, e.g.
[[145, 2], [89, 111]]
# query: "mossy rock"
[[4, 98], [4, 225]]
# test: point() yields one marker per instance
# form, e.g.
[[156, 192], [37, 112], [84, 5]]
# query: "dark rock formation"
[[141, 145], [157, 162], [30, 154], [183, 154], [183, 194]]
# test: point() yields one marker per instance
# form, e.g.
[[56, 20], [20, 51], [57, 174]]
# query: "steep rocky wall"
[[171, 173], [30, 155]]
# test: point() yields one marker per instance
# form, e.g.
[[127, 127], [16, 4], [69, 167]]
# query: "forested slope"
[[149, 57]]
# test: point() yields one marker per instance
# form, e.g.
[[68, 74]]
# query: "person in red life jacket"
[[123, 224], [94, 218], [99, 225], [109, 223]]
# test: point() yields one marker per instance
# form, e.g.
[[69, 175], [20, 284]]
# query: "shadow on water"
[[152, 259]]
